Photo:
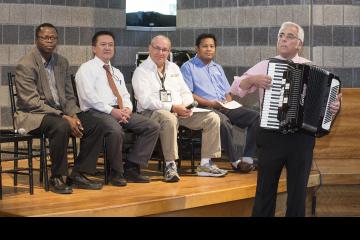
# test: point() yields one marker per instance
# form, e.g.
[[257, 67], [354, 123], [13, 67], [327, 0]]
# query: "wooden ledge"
[[339, 171], [156, 197]]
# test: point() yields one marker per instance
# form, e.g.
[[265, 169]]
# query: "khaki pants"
[[208, 122]]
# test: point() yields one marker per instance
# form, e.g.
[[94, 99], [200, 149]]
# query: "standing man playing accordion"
[[294, 150]]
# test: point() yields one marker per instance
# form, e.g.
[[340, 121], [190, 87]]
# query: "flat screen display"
[[155, 13]]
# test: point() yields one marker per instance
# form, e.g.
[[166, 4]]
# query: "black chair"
[[189, 139], [157, 154], [42, 152], [105, 164], [8, 136]]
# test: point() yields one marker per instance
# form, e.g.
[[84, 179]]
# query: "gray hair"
[[292, 24], [160, 36]]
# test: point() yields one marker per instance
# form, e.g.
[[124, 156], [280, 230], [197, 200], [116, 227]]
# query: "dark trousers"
[[147, 132], [243, 118], [275, 150], [58, 131]]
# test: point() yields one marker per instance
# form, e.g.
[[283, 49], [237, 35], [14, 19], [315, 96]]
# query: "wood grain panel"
[[344, 140]]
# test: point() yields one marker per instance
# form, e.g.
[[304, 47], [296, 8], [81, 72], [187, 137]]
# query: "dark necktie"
[[113, 86]]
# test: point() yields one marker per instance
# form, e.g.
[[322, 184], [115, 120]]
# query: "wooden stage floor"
[[192, 196]]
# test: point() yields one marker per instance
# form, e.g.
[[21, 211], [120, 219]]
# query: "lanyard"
[[113, 74], [162, 79]]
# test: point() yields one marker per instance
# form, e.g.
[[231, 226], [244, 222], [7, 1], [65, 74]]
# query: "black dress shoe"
[[243, 167], [133, 175], [82, 182], [57, 185], [117, 180]]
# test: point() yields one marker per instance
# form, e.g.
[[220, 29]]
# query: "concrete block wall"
[[76, 20], [246, 31]]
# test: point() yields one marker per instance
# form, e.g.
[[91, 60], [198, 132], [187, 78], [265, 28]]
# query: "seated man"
[[46, 104], [162, 96], [209, 85], [102, 93]]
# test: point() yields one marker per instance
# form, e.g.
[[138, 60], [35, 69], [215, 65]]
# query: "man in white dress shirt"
[[162, 95], [102, 92]]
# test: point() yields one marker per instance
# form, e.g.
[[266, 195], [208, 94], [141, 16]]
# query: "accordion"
[[299, 98]]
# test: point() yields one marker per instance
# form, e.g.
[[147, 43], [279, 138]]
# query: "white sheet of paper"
[[231, 105], [200, 110]]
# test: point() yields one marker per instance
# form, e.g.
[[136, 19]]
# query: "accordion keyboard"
[[272, 96]]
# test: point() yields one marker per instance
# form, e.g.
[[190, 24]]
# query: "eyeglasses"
[[48, 38], [287, 36], [159, 49]]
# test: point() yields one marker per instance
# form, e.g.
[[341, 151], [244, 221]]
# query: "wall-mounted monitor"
[[155, 15]]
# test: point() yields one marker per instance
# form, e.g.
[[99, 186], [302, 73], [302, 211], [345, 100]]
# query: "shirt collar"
[[152, 65], [48, 64], [294, 59], [100, 62], [200, 63]]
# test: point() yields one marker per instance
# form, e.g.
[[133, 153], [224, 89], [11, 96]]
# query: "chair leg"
[[106, 165], [16, 155], [179, 163], [180, 153], [192, 154], [31, 177], [43, 160], [0, 181], [313, 205], [41, 172], [163, 165], [74, 148], [160, 164], [0, 177], [161, 160]]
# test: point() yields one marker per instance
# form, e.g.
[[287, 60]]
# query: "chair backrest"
[[13, 95], [73, 83], [132, 95]]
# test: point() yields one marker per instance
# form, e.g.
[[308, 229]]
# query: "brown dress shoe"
[[244, 167]]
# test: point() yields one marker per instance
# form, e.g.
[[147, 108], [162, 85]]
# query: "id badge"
[[165, 96]]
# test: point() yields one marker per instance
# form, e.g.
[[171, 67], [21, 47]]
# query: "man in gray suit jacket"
[[46, 104]]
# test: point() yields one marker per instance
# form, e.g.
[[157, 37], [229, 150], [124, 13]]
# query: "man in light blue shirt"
[[210, 87]]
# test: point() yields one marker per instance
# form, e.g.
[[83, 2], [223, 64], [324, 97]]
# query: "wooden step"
[[338, 200], [192, 193], [339, 171]]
